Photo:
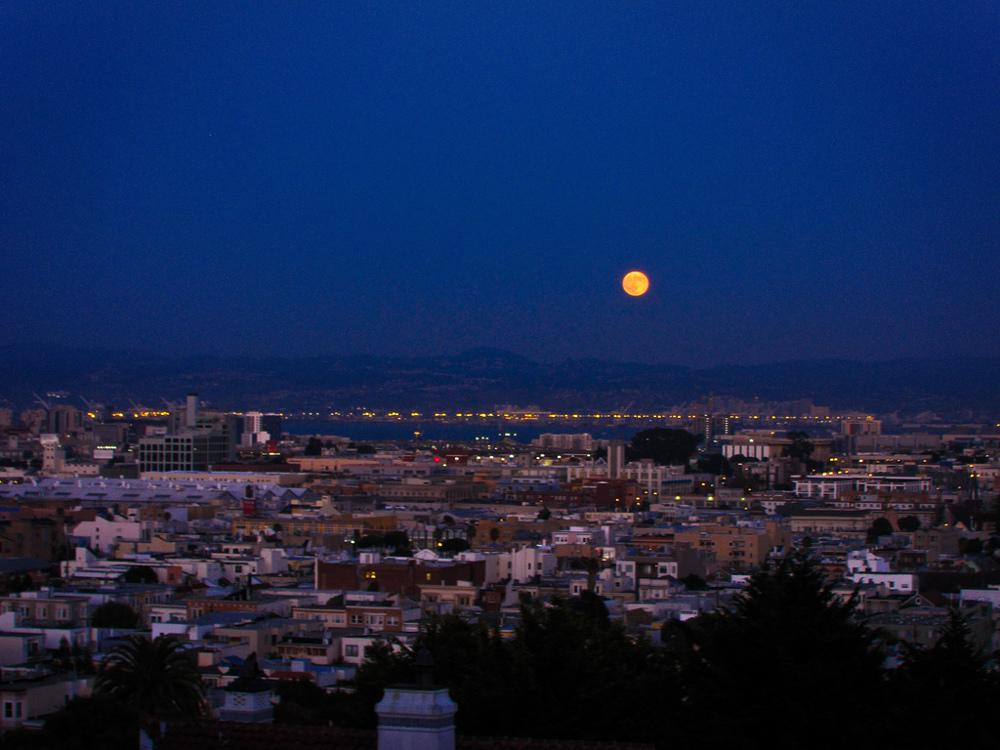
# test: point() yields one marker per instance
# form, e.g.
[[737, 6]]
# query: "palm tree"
[[156, 677]]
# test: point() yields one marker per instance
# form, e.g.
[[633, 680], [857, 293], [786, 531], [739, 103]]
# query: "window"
[[350, 650], [356, 619]]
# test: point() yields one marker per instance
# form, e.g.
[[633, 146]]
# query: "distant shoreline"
[[440, 431]]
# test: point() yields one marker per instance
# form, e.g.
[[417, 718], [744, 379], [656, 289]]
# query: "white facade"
[[529, 562], [903, 583], [579, 535], [102, 534], [830, 487], [865, 561]]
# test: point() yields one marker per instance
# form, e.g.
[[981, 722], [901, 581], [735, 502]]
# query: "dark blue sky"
[[798, 180]]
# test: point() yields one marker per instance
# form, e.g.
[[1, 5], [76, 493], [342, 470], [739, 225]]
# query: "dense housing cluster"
[[270, 560]]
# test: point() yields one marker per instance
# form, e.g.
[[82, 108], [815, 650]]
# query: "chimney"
[[417, 717]]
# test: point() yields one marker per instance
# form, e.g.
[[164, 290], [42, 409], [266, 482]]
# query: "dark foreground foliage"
[[787, 666]]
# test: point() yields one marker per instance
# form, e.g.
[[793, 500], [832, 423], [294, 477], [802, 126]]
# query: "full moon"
[[635, 283]]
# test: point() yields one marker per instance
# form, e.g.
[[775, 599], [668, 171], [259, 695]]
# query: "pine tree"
[[786, 659]]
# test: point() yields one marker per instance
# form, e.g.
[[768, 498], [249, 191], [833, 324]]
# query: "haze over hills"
[[962, 389]]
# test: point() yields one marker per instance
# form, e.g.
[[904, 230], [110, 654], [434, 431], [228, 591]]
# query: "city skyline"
[[797, 183]]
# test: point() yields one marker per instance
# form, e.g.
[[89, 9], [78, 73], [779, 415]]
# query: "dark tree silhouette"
[[140, 574], [115, 615], [454, 544], [314, 447], [820, 663], [800, 448], [664, 446], [713, 463], [592, 566], [880, 527], [370, 541], [92, 723], [908, 523], [302, 702], [397, 541], [156, 677], [937, 685], [568, 673], [694, 582]]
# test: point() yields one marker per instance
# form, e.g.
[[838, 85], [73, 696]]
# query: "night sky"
[[798, 180]]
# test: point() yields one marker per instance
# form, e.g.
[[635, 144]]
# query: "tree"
[[18, 582], [75, 658], [302, 702], [369, 541], [694, 582], [713, 463], [156, 677], [592, 566], [116, 615], [947, 685], [91, 723], [494, 534], [454, 544], [970, 546], [398, 542], [908, 523], [664, 446], [567, 673], [821, 663], [140, 574], [544, 514], [800, 448], [880, 527], [314, 447]]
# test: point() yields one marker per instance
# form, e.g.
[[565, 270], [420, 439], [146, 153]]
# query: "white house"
[[102, 534]]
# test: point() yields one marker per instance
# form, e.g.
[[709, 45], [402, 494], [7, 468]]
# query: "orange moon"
[[635, 283]]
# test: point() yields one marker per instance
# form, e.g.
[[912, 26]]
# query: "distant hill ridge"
[[955, 388]]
